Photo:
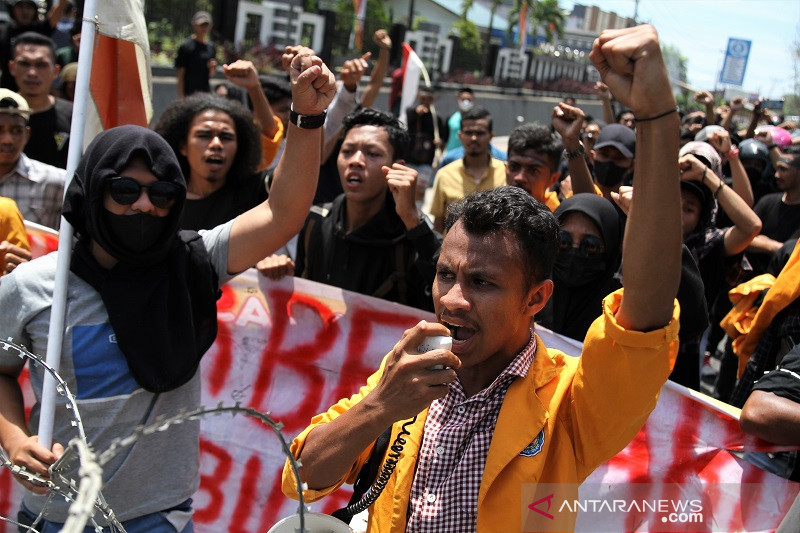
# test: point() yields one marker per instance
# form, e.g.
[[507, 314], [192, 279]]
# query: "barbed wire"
[[57, 484], [85, 495]]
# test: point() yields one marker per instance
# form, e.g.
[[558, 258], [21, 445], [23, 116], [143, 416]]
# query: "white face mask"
[[465, 105]]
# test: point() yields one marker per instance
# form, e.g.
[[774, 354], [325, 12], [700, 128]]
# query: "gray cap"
[[202, 17], [620, 137]]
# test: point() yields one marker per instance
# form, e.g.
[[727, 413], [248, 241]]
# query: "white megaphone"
[[313, 523]]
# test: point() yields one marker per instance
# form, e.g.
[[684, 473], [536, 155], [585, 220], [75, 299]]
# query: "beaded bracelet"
[[664, 114]]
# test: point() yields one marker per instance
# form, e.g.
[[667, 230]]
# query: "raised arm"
[[260, 231], [384, 42], [344, 102], [736, 105], [605, 97], [707, 100], [56, 12], [631, 64], [244, 74], [721, 141], [567, 121], [746, 224]]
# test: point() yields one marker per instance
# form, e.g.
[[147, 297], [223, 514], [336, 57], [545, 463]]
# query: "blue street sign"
[[735, 61]]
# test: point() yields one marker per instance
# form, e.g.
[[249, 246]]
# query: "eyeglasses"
[[694, 120], [589, 246], [125, 191]]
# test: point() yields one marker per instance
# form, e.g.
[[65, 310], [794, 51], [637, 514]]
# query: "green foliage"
[[545, 14], [467, 53], [376, 18], [169, 24], [468, 34], [466, 5]]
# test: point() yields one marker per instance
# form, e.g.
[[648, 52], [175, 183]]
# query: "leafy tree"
[[544, 14], [488, 45]]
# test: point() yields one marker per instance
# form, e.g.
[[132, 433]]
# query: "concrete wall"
[[505, 105]]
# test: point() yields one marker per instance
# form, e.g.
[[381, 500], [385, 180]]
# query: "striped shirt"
[[37, 188], [457, 435]]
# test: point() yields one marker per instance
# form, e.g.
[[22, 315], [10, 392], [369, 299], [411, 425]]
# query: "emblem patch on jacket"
[[534, 447]]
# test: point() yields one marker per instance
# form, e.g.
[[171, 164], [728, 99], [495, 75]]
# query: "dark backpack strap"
[[398, 277], [309, 229], [368, 473], [317, 214]]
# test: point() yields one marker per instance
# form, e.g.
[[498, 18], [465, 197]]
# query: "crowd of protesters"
[[228, 162]]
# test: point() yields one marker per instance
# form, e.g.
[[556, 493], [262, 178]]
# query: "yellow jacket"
[[586, 409], [745, 323]]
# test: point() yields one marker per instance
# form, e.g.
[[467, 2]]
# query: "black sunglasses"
[[589, 246], [125, 191]]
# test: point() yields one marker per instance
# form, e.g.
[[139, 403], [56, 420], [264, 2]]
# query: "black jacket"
[[381, 258]]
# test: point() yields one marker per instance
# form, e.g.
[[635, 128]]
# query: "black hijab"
[[161, 302], [571, 310]]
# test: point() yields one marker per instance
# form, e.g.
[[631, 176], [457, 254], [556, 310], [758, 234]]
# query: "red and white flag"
[[121, 85], [412, 70]]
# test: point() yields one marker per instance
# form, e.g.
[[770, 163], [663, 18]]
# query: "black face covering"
[[574, 269], [135, 233], [581, 282], [161, 295], [608, 173]]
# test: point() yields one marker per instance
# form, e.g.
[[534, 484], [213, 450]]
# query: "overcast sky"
[[700, 30]]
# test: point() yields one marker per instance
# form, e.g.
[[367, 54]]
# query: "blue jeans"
[[151, 523]]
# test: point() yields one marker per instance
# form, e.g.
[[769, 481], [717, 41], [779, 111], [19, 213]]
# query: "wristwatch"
[[307, 122], [569, 156]]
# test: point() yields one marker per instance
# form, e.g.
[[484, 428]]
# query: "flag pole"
[[55, 335]]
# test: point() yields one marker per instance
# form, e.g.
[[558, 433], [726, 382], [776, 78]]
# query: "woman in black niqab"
[[580, 282], [161, 300]]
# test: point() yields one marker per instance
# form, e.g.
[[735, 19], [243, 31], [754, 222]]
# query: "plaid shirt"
[[38, 190], [458, 431], [786, 325]]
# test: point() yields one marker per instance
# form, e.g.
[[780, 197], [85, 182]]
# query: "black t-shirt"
[[49, 142], [779, 222], [194, 56], [230, 201], [784, 380], [420, 127], [7, 81]]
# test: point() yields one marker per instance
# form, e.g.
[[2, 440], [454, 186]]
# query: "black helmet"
[[753, 149]]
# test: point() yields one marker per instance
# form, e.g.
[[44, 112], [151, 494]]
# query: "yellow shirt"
[[580, 411], [269, 146], [12, 227], [452, 183]]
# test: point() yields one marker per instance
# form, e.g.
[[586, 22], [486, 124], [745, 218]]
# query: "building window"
[[252, 27]]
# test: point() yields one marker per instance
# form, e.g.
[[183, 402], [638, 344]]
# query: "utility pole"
[[410, 15]]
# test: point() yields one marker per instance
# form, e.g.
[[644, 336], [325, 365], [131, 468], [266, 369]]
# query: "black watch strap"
[[307, 122]]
